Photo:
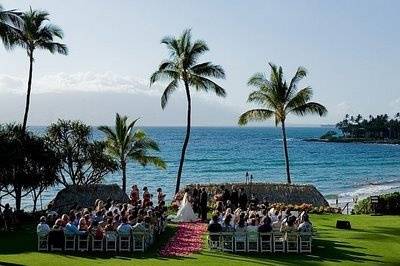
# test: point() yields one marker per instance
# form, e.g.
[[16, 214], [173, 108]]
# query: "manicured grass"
[[373, 240]]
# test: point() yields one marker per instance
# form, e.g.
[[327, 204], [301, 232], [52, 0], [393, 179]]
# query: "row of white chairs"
[[111, 242], [290, 242]]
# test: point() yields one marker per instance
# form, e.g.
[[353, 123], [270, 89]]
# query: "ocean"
[[225, 154]]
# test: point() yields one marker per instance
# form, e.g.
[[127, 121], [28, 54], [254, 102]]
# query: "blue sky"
[[351, 49]]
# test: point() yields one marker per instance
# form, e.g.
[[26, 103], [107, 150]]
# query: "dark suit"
[[203, 205], [235, 198], [243, 200]]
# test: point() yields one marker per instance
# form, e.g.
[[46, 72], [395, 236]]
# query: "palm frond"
[[172, 86], [255, 115], [205, 84], [207, 69], [300, 98], [310, 108]]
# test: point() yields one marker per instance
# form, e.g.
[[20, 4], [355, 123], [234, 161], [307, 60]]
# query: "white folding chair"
[[138, 241], [69, 242], [278, 241], [83, 242], [305, 242], [43, 243], [97, 244], [227, 241], [292, 241], [124, 243], [252, 242], [111, 241], [240, 242], [265, 242], [214, 240]]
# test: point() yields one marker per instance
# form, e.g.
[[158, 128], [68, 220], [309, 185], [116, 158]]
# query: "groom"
[[203, 204]]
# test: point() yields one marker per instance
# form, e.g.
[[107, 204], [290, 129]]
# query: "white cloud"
[[79, 82]]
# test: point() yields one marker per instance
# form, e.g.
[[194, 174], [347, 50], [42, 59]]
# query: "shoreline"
[[362, 141]]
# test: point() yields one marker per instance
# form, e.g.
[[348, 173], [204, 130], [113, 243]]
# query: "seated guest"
[[109, 226], [252, 227], [220, 207], [265, 226], [215, 226], [58, 225], [124, 228], [131, 220], [241, 226], [65, 219], [227, 225], [306, 225], [82, 226], [71, 229], [96, 231], [139, 226], [289, 225], [42, 228], [276, 226]]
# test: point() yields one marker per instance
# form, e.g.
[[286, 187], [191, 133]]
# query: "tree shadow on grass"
[[324, 251]]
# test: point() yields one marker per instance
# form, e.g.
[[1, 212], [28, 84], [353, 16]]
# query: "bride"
[[185, 211]]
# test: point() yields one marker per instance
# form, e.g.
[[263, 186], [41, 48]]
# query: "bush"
[[388, 204]]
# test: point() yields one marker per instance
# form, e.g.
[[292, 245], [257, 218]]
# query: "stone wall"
[[85, 196], [276, 193]]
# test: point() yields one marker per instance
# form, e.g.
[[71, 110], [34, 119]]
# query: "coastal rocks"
[[276, 193], [85, 196]]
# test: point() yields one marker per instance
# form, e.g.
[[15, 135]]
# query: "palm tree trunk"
[[18, 196], [28, 94], [289, 181], [185, 143], [123, 166]]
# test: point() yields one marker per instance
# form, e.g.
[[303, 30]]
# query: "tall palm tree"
[[35, 32], [279, 99], [8, 18], [183, 67], [125, 143]]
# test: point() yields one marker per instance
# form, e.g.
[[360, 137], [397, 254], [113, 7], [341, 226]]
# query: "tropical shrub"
[[83, 161], [388, 204]]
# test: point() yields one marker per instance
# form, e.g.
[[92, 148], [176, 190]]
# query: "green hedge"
[[388, 204]]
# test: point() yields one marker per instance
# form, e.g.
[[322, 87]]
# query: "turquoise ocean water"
[[225, 154]]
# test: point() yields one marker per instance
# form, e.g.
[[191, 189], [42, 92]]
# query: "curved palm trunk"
[[185, 143], [123, 167], [289, 181], [28, 94]]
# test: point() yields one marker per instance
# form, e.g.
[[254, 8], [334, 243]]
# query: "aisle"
[[187, 240]]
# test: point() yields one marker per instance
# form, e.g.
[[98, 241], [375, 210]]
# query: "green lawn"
[[373, 240]]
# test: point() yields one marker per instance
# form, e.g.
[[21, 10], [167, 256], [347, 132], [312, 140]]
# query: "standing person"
[[196, 199], [242, 199], [203, 204], [234, 197], [134, 195], [226, 195], [146, 197]]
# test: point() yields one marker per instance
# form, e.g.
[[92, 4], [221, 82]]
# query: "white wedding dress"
[[185, 211]]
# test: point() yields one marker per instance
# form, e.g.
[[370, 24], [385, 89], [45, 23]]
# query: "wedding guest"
[[134, 196], [58, 225], [160, 195], [306, 225], [276, 226], [124, 228], [203, 204], [227, 225], [42, 228], [234, 197], [215, 226], [242, 199], [226, 195], [265, 226], [146, 197]]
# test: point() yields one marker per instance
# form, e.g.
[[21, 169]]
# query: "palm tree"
[[279, 99], [35, 32], [8, 18], [183, 67], [124, 143]]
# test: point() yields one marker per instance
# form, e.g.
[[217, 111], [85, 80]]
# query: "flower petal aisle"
[[187, 240]]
